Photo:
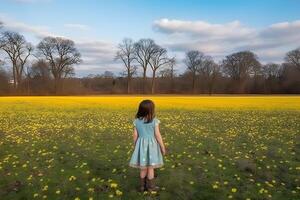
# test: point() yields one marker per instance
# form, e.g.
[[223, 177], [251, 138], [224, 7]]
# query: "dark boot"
[[151, 185], [142, 184]]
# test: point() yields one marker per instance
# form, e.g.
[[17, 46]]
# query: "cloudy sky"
[[269, 28]]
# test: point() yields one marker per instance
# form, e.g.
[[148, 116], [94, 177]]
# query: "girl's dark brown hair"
[[146, 110]]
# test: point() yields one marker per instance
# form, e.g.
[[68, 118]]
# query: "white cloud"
[[37, 31], [218, 40], [80, 27], [95, 52], [232, 29]]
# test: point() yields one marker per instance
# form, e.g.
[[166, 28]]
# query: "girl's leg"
[[151, 186], [143, 173], [150, 173]]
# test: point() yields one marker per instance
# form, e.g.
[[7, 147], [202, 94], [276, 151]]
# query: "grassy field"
[[219, 147]]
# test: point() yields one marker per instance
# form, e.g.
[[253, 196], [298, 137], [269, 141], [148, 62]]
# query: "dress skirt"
[[147, 153]]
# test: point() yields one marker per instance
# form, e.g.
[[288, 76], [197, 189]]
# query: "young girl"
[[149, 147]]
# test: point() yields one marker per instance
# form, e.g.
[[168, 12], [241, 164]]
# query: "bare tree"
[[209, 70], [239, 66], [293, 57], [192, 61], [158, 59], [126, 53], [144, 49], [61, 54], [18, 51], [271, 70], [271, 73]]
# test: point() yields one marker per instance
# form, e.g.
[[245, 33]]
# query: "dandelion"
[[119, 193], [233, 190], [113, 185], [45, 188]]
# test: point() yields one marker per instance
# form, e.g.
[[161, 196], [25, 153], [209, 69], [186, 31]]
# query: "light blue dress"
[[147, 152]]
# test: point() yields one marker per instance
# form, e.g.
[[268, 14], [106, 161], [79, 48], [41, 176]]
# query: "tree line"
[[48, 69]]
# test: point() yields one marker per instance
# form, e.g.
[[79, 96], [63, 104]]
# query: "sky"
[[269, 28]]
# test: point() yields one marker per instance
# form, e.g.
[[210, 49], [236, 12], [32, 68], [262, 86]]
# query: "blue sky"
[[216, 27]]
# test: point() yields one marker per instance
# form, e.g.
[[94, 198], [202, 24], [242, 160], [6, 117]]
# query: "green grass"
[[211, 152]]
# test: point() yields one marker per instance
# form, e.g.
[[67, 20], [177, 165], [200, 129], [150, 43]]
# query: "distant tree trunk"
[[172, 81], [56, 85], [153, 82], [128, 83], [194, 83], [144, 81], [210, 86], [241, 86], [14, 76]]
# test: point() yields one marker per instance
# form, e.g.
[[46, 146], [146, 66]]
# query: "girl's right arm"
[[160, 140]]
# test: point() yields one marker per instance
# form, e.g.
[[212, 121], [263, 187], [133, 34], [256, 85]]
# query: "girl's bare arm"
[[135, 135], [159, 139]]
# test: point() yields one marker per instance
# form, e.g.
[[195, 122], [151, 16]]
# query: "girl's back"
[[144, 129]]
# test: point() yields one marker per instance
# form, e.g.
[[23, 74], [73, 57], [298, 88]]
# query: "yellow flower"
[[233, 190], [57, 192], [113, 185], [45, 188], [119, 193]]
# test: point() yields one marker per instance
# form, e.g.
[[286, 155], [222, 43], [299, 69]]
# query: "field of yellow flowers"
[[223, 147]]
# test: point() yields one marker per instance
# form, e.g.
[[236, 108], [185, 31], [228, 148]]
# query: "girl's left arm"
[[135, 135]]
